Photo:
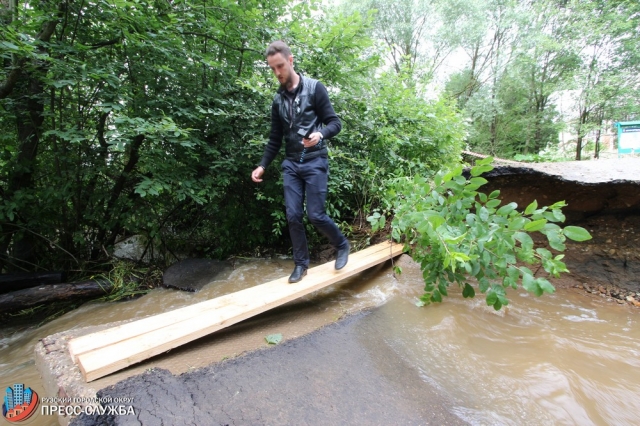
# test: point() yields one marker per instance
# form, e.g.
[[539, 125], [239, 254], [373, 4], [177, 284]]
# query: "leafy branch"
[[456, 233]]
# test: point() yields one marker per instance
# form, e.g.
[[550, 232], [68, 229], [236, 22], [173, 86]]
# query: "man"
[[302, 114]]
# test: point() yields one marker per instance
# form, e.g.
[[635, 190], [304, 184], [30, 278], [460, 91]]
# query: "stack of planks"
[[107, 351]]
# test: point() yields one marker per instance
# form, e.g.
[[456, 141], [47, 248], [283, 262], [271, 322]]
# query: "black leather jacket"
[[294, 117], [299, 119]]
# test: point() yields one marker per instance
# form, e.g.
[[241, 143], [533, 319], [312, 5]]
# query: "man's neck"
[[295, 80]]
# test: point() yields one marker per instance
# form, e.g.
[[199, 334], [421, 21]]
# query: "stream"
[[564, 359]]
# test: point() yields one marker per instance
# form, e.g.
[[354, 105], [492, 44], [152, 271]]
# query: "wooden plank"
[[138, 342], [120, 333], [116, 334]]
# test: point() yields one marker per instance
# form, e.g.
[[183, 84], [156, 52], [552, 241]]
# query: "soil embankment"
[[604, 198]]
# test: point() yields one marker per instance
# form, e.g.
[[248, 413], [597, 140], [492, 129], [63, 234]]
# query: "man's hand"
[[313, 140], [256, 175]]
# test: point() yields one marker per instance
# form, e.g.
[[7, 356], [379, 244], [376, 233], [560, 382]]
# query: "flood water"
[[562, 359]]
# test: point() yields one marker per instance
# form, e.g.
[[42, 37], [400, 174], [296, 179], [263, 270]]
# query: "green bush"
[[457, 233]]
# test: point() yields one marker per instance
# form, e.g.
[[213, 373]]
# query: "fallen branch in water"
[[30, 297]]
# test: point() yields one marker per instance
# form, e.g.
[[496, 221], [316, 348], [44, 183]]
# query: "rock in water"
[[193, 274]]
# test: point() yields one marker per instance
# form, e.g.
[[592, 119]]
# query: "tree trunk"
[[579, 147], [583, 120], [29, 108], [13, 282], [493, 138], [29, 118], [111, 210], [30, 297], [527, 140]]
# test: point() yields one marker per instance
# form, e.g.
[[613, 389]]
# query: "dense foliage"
[[521, 70], [145, 117]]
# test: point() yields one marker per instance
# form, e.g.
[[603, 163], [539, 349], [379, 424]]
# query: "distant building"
[[18, 394], [8, 399]]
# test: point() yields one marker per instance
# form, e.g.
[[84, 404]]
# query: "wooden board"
[[104, 352], [113, 335]]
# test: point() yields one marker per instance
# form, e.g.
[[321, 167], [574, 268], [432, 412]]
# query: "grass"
[[129, 281]]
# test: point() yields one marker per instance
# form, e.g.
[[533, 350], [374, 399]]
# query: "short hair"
[[278, 47]]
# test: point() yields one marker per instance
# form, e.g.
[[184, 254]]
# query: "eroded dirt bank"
[[604, 198]]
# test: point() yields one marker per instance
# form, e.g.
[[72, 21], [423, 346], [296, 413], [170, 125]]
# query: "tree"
[[605, 55], [534, 53], [143, 117], [418, 36], [545, 63], [477, 87], [122, 115]]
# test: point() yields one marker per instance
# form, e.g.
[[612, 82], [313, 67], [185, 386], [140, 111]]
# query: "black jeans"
[[309, 177]]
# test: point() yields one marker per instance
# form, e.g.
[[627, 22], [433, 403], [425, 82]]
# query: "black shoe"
[[342, 257], [297, 274]]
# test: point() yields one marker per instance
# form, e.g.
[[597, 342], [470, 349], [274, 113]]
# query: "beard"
[[288, 82]]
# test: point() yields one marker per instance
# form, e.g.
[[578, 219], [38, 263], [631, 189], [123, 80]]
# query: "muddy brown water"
[[562, 359]]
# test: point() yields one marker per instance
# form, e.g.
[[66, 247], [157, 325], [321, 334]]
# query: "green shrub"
[[457, 233]]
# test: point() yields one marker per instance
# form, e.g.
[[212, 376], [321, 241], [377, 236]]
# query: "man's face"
[[282, 68]]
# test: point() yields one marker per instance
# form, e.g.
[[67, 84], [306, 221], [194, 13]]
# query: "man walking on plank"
[[302, 114]]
